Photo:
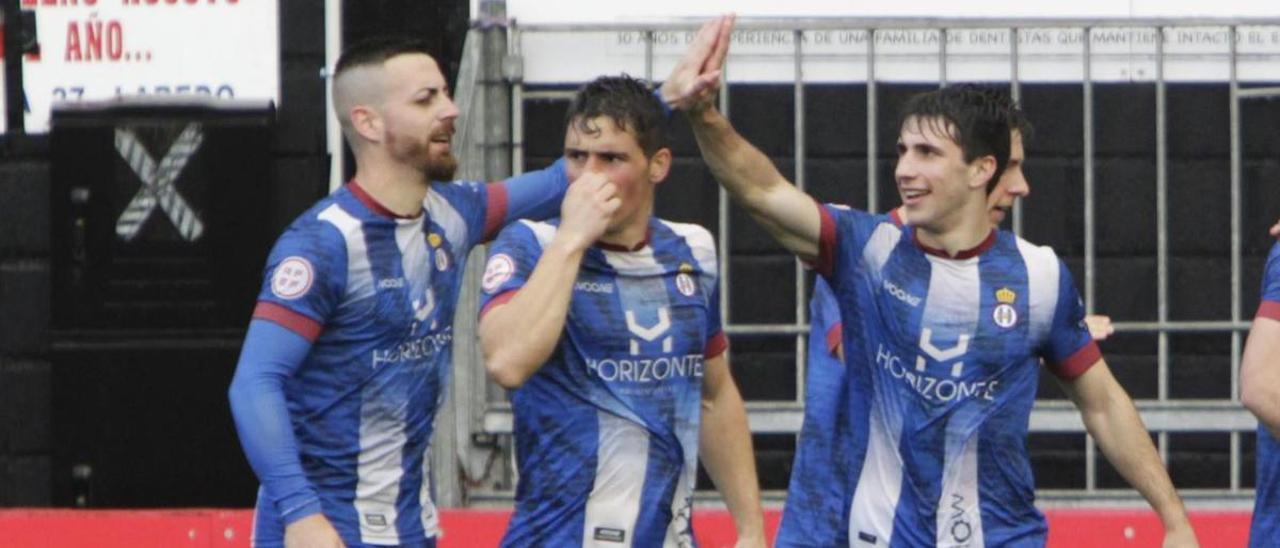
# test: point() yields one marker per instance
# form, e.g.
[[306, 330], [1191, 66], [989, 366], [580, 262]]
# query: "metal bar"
[[518, 98], [548, 94], [648, 56], [942, 57], [1015, 90], [873, 192], [332, 127], [1235, 96], [765, 329], [1181, 326], [906, 23], [1251, 93], [723, 209], [801, 310], [1090, 451], [15, 117], [786, 417], [1162, 237]]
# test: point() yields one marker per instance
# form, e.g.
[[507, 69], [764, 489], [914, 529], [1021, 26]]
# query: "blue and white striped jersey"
[[941, 361], [1265, 530], [607, 430], [375, 294]]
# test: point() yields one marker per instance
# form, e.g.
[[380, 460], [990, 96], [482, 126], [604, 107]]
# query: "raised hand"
[[695, 79]]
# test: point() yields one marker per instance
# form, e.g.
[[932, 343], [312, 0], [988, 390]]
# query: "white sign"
[[101, 49]]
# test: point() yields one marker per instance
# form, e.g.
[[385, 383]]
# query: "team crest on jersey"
[[1004, 314], [434, 239], [292, 278], [500, 269], [442, 259], [685, 284]]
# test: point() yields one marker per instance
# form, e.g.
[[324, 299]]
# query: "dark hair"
[[978, 119], [625, 100], [375, 51]]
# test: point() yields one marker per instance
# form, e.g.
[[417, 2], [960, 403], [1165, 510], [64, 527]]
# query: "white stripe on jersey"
[[880, 245], [543, 231], [952, 307], [1042, 284], [359, 272], [634, 263], [415, 258], [379, 466], [443, 213], [875, 499], [430, 518], [699, 240], [622, 457]]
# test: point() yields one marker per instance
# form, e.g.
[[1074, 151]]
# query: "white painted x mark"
[[157, 183]]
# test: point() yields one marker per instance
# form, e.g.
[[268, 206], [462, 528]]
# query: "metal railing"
[[1163, 415]]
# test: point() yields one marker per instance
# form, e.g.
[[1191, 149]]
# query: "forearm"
[[1125, 441], [518, 336], [1260, 373], [725, 443], [754, 182]]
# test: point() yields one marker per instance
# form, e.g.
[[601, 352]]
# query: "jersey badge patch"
[[1004, 314], [292, 278], [442, 259], [500, 269], [684, 283]]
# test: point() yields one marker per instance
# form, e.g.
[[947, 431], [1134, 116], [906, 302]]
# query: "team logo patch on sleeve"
[[500, 269], [1004, 314], [292, 278]]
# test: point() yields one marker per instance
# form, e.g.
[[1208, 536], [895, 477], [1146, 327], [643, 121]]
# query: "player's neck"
[[630, 236], [962, 235], [400, 189]]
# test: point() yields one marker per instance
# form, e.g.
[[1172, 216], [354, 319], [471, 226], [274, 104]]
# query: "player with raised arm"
[[605, 324], [1260, 391], [945, 322], [348, 354]]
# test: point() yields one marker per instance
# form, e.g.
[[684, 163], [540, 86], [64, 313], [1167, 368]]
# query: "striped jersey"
[[1265, 530], [606, 431], [942, 358], [376, 293]]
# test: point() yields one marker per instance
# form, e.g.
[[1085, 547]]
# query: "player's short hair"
[[978, 119], [628, 102], [377, 50]]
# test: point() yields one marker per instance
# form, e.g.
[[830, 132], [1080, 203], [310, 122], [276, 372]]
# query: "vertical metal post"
[[1015, 90], [333, 129], [1162, 237], [942, 57], [1090, 451], [800, 152], [514, 42], [497, 128], [873, 192], [648, 56], [1234, 96], [723, 224]]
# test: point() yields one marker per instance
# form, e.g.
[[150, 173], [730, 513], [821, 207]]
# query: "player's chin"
[[441, 167]]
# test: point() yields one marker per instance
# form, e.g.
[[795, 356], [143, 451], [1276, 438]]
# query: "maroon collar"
[[897, 219], [648, 234], [361, 194], [963, 254]]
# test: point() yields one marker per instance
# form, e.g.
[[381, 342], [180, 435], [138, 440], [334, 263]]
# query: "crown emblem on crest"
[[1006, 295], [434, 239], [686, 268]]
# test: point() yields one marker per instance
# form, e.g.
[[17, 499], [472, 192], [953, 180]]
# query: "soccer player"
[[605, 323], [819, 446], [1260, 391], [945, 322], [348, 353]]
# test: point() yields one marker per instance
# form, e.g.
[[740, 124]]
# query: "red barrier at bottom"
[[480, 528]]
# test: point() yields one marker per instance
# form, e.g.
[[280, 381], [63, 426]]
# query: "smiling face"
[[418, 115], [935, 183], [597, 145], [1012, 184]]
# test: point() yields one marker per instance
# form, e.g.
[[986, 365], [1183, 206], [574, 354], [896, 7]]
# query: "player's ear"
[[367, 123], [981, 170], [659, 165]]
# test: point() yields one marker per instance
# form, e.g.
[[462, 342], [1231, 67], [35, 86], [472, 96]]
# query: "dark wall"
[[1125, 182], [128, 401]]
